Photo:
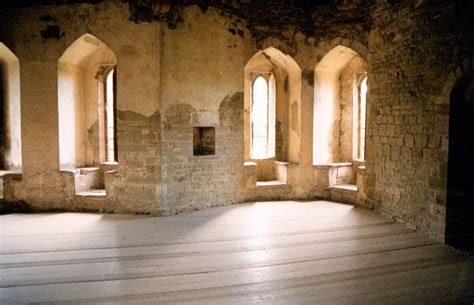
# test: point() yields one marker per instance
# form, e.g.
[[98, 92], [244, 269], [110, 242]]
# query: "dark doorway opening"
[[460, 199]]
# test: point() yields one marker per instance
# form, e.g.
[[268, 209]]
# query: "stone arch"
[[451, 80], [288, 101], [335, 112], [81, 81], [325, 47], [11, 153]]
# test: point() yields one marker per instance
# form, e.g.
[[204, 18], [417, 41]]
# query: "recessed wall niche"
[[204, 141]]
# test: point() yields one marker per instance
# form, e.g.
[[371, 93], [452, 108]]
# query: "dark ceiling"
[[178, 2], [264, 18]]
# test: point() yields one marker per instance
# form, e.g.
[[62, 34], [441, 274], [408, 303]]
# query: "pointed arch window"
[[106, 80], [110, 118], [10, 111], [86, 104], [362, 117], [339, 117], [263, 117]]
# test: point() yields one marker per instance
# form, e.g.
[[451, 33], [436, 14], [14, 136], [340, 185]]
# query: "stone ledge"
[[273, 183], [206, 157], [344, 187], [286, 163], [113, 163], [10, 174], [86, 170], [329, 165], [92, 193]]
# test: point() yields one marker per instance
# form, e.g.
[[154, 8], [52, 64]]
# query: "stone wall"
[[195, 182], [135, 187], [201, 86], [414, 61], [185, 69]]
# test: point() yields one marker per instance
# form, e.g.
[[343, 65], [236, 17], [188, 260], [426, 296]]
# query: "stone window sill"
[[206, 157], [110, 163], [10, 174], [335, 164]]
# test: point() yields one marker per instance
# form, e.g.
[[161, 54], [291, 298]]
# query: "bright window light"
[[109, 111], [363, 103], [263, 118]]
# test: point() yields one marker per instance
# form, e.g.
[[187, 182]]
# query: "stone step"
[[272, 190], [344, 187], [345, 193], [92, 201]]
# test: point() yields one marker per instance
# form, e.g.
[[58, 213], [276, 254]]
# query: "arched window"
[[10, 113], [263, 118], [339, 107], [110, 117], [86, 103], [86, 113], [362, 115]]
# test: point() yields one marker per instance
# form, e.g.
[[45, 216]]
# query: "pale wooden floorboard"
[[262, 253]]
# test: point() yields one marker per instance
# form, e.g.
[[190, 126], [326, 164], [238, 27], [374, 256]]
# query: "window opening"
[[263, 118], [362, 117], [110, 116]]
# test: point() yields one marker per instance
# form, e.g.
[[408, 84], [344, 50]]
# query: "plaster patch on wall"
[[129, 50], [179, 115], [231, 108], [128, 115], [204, 118]]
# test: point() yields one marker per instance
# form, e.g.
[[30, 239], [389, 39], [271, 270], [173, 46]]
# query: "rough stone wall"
[[201, 86], [195, 182], [414, 55], [25, 32], [136, 186], [189, 72]]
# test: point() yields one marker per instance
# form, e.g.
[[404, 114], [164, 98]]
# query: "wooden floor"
[[262, 253]]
